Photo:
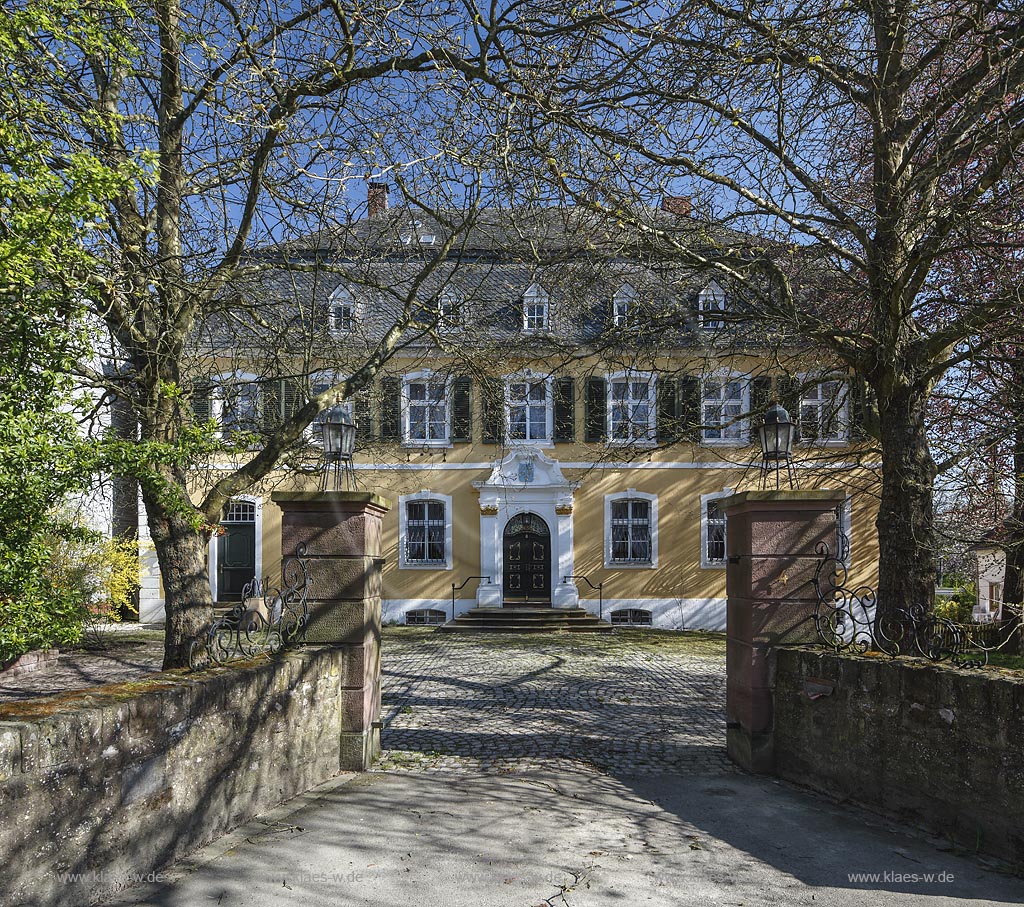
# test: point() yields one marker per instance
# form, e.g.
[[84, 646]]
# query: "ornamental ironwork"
[[268, 619], [845, 618]]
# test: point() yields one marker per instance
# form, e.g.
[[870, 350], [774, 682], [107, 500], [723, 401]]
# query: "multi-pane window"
[[420, 616], [638, 617], [631, 409], [342, 312], [239, 512], [823, 412], [426, 410], [535, 309], [711, 303], [448, 311], [425, 532], [714, 523], [631, 531], [529, 408], [239, 407], [623, 306], [722, 406]]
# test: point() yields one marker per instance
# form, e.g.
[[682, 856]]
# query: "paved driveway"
[[567, 772], [631, 703]]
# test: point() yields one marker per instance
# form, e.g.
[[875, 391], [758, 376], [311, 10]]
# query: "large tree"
[[873, 145], [246, 124]]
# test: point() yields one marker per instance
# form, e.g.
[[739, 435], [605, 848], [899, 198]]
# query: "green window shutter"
[[363, 414], [391, 409], [462, 409], [789, 397], [668, 409], [291, 400], [688, 395], [202, 408], [270, 404], [859, 405], [565, 410], [493, 404], [596, 410], [760, 398]]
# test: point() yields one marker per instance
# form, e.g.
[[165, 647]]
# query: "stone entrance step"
[[526, 620]]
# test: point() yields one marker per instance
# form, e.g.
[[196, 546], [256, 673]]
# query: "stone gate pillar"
[[342, 534], [771, 542]]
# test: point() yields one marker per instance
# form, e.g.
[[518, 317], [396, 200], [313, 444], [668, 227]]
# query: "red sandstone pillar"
[[342, 534], [771, 542]]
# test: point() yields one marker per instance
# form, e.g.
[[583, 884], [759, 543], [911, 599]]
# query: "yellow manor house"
[[550, 420]]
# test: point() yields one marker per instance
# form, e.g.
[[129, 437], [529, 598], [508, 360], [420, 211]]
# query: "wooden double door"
[[526, 560]]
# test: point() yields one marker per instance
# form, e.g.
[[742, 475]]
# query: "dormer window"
[[535, 308], [341, 313], [417, 233], [442, 312], [450, 316], [711, 304], [623, 305]]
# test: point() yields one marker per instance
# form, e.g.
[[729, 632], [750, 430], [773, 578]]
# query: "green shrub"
[[958, 608], [68, 581]]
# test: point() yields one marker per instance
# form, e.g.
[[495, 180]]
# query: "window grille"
[[631, 531], [425, 532]]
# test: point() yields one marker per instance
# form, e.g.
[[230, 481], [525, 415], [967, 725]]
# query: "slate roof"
[[382, 261]]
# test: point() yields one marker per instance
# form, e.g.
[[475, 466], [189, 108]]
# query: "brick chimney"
[[376, 198], [680, 205]]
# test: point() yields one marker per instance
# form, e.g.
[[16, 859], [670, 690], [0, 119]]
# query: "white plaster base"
[[565, 595], [669, 613], [488, 595], [393, 610]]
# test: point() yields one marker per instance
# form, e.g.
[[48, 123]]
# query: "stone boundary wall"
[[120, 781], [934, 745]]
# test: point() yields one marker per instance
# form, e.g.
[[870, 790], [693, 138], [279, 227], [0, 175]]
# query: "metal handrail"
[[462, 586], [599, 588]]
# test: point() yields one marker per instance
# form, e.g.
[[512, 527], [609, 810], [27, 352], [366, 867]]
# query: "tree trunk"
[[181, 553], [1013, 581], [906, 566]]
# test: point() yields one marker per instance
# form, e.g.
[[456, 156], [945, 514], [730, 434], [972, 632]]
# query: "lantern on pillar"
[[339, 440], [776, 434]]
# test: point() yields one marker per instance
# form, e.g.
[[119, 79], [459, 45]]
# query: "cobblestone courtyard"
[[631, 703]]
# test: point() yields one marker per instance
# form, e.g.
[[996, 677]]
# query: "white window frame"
[[842, 413], [630, 494], [446, 322], [633, 377], [403, 530], [705, 562], [711, 299], [425, 376], [529, 377], [218, 398], [339, 299], [536, 295], [741, 425], [845, 526], [623, 305]]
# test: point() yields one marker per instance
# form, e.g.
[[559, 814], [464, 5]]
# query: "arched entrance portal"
[[526, 560]]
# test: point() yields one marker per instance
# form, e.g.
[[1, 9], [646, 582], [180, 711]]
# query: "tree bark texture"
[[906, 566], [181, 554]]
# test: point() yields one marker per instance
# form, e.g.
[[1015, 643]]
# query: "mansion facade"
[[541, 437]]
